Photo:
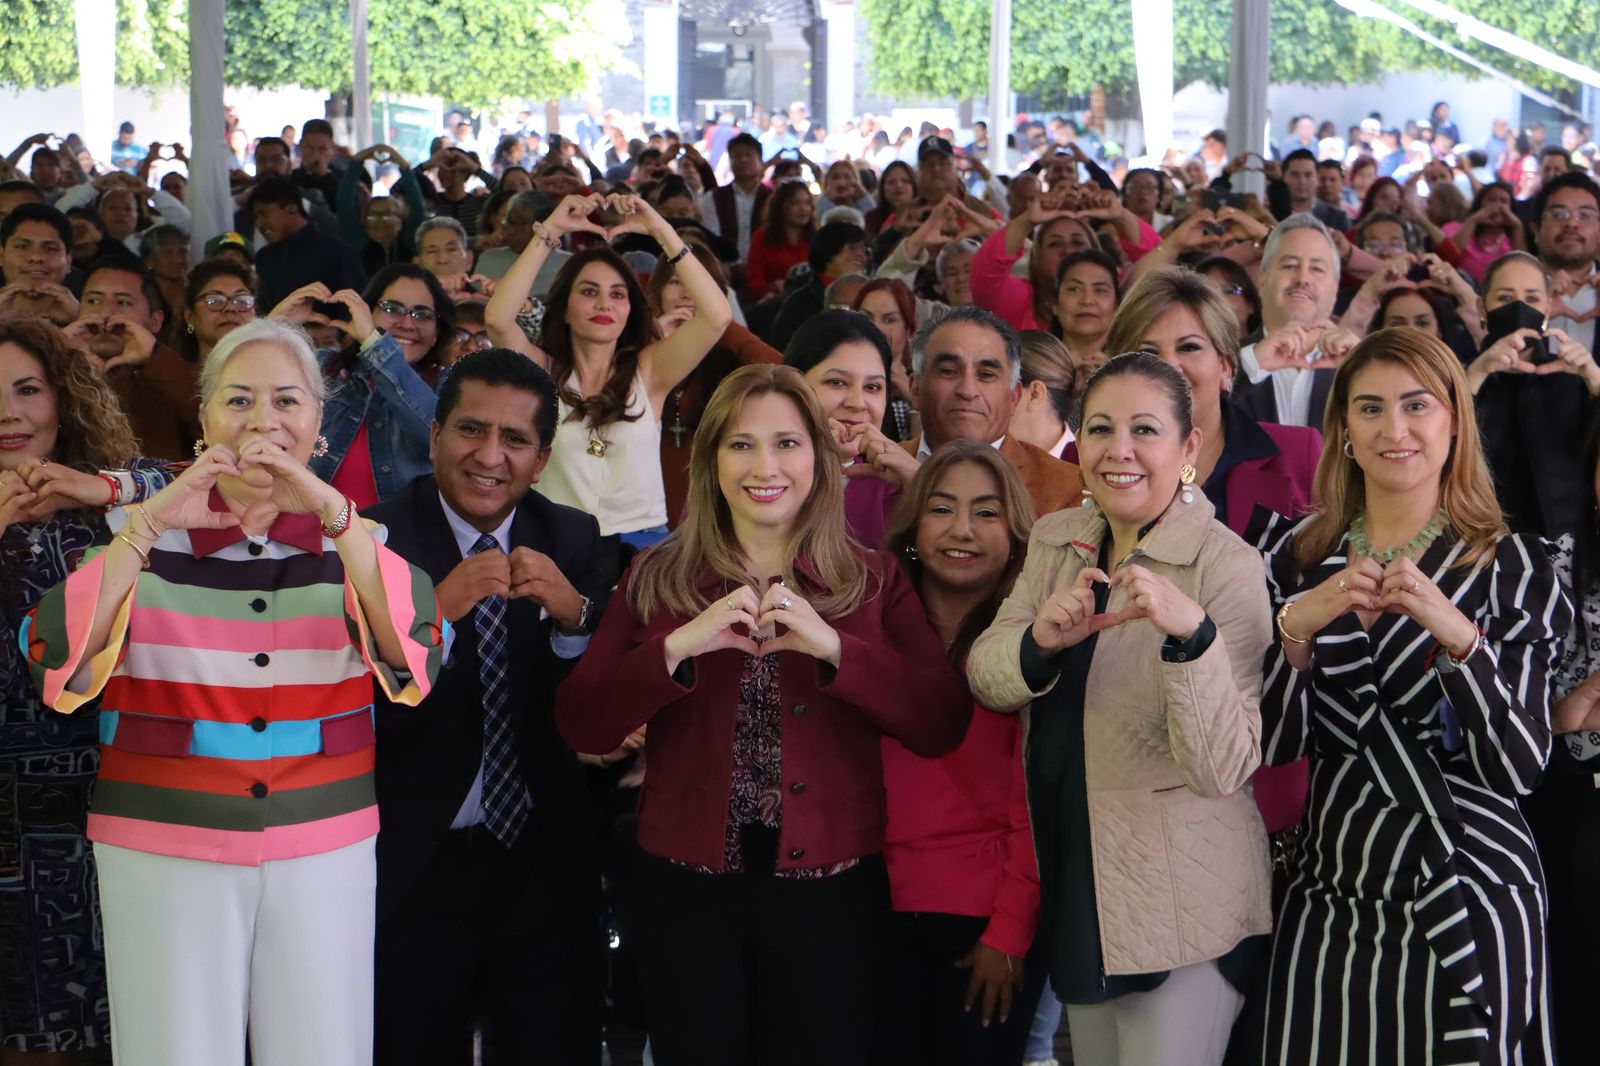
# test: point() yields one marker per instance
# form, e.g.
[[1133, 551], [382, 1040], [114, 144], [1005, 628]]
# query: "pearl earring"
[[1088, 498]]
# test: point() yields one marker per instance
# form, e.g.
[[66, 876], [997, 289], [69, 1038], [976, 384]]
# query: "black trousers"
[[1564, 814], [489, 938], [924, 1022], [755, 970]]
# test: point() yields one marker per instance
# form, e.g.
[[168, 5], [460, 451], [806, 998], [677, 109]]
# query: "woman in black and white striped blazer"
[[1415, 636]]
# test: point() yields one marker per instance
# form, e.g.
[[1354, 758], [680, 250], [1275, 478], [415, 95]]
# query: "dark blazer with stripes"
[[1414, 918]]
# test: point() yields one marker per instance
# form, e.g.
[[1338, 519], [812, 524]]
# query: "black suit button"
[[255, 549], [258, 605], [258, 724], [797, 853], [261, 659], [798, 787], [799, 709], [258, 790]]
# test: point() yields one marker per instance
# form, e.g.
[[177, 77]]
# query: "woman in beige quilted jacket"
[[1137, 630]]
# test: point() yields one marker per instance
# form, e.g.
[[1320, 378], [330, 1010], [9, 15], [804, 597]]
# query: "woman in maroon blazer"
[[768, 655]]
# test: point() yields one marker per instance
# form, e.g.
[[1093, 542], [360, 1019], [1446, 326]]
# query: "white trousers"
[[197, 952], [1183, 1022]]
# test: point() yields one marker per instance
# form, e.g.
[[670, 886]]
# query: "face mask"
[[1508, 318]]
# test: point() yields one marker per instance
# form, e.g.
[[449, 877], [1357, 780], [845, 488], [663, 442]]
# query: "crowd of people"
[[801, 597]]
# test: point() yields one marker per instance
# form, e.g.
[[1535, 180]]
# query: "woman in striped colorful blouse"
[[233, 628], [1415, 642]]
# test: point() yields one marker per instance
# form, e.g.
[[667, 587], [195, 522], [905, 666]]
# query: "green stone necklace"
[[1413, 547]]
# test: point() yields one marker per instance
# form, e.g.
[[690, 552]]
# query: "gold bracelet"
[[156, 531], [1283, 613], [144, 560]]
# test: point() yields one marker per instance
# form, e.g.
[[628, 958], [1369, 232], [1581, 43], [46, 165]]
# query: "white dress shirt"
[[1291, 386]]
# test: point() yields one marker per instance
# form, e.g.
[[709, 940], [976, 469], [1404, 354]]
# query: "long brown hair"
[[1466, 490], [669, 575], [1042, 278], [555, 338], [1015, 504], [775, 225], [93, 432]]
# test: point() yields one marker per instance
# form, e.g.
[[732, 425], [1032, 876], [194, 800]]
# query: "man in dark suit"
[[488, 887], [1279, 379]]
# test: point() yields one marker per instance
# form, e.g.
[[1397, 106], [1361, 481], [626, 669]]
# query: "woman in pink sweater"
[[962, 877], [1057, 226]]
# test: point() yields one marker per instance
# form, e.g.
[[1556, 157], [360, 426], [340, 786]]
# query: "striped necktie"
[[505, 795]]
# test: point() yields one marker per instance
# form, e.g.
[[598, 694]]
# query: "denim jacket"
[[381, 389]]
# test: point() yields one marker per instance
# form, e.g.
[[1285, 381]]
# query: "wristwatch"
[[585, 624]]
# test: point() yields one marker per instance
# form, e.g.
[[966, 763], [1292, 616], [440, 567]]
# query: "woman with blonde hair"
[[1414, 641], [1051, 385], [769, 655]]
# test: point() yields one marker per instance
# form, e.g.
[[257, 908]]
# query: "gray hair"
[[971, 315], [965, 246], [828, 303], [150, 240], [443, 222], [1304, 220], [290, 338], [844, 213]]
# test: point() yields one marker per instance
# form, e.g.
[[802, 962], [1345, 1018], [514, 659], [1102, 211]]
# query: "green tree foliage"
[[940, 48], [473, 52]]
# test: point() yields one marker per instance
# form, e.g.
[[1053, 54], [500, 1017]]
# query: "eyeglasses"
[[1232, 290], [473, 341], [215, 301], [1559, 213], [1383, 248], [395, 307]]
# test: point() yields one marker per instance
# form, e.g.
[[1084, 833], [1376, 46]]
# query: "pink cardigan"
[[996, 289], [958, 838]]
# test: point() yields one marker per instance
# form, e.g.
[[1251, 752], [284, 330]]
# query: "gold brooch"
[[597, 447]]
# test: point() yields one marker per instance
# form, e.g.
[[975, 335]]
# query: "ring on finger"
[[733, 603], [785, 603], [1413, 586], [1342, 586]]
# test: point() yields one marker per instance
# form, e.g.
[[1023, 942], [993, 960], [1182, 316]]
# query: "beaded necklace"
[[1412, 548]]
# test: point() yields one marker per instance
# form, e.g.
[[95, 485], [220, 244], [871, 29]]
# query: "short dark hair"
[[316, 125], [36, 213], [830, 240], [744, 140], [1553, 149], [1572, 179], [149, 288], [280, 191], [1299, 154], [1218, 135], [1330, 164], [22, 185], [501, 366], [279, 141], [821, 335]]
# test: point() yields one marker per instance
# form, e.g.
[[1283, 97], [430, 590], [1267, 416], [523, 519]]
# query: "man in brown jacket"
[[967, 366]]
